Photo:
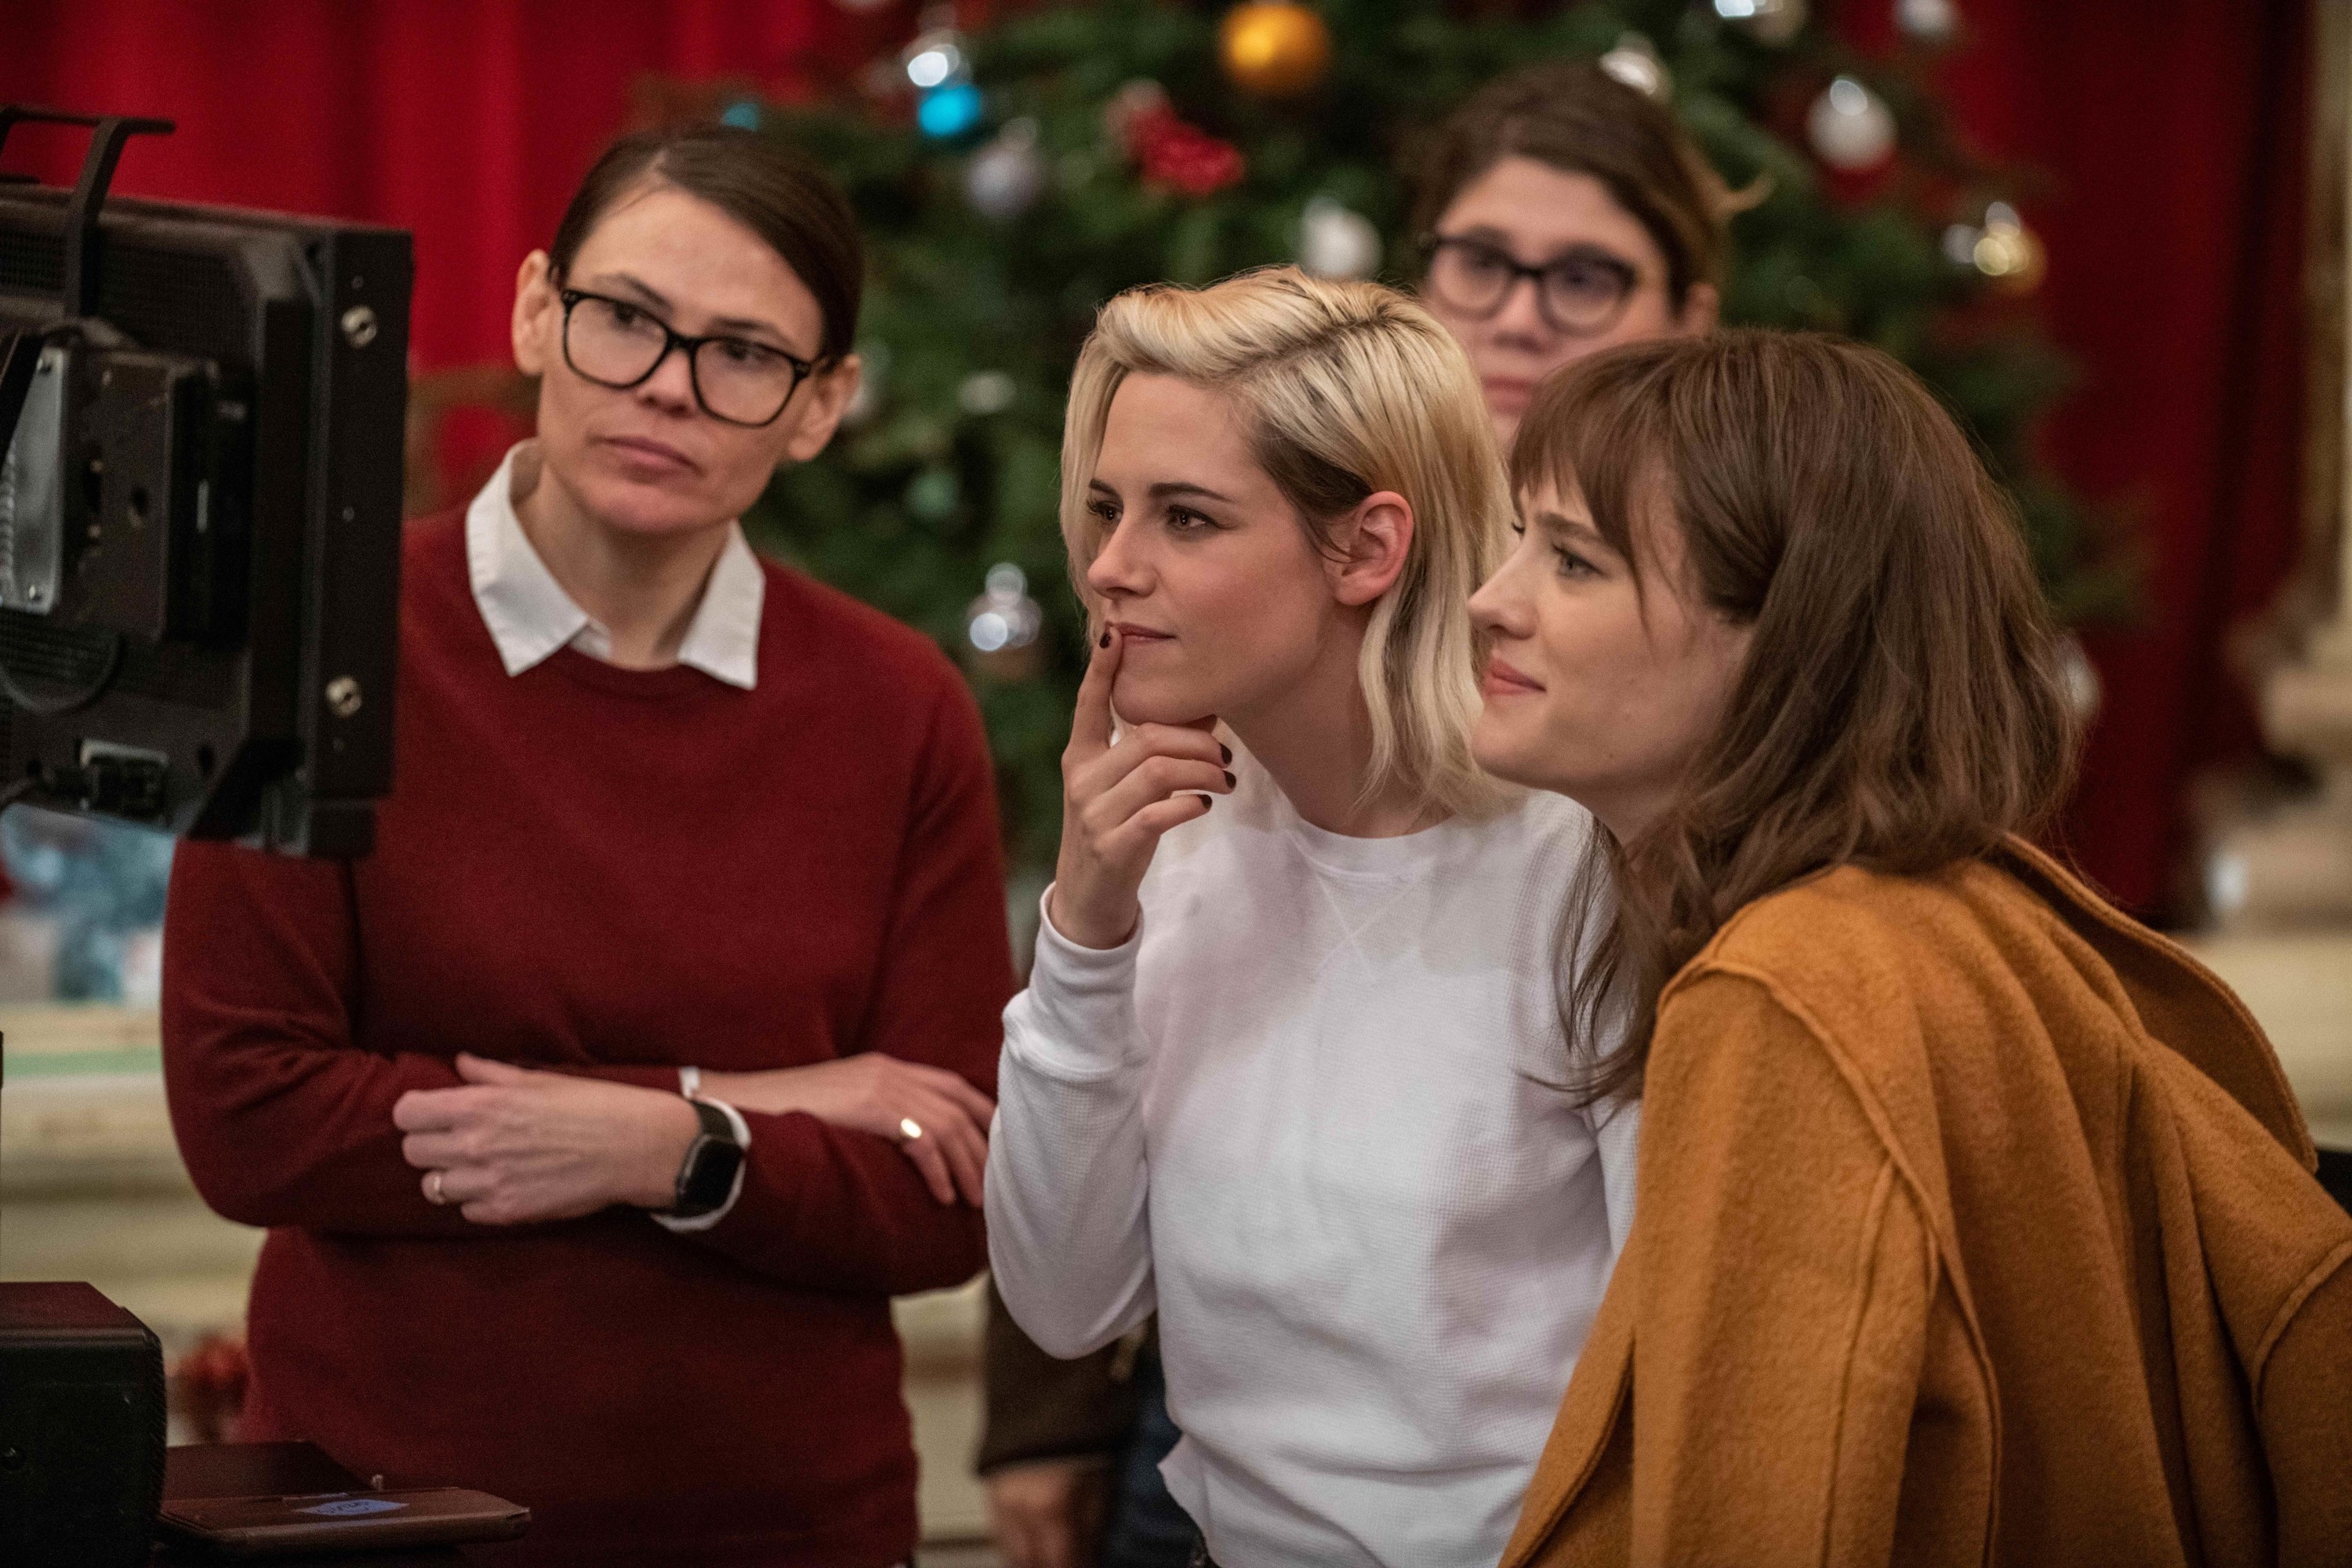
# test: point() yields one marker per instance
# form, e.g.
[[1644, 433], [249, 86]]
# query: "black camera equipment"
[[201, 410]]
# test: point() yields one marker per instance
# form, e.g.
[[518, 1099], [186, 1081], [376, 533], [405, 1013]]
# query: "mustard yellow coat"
[[1974, 1225]]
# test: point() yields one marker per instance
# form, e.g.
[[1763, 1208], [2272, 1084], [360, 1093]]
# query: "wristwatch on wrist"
[[707, 1175]]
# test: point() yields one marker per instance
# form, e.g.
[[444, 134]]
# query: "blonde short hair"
[[1347, 389]]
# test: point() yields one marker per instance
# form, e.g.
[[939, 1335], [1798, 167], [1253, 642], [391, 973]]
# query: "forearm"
[[1067, 1178], [823, 1208], [280, 1131]]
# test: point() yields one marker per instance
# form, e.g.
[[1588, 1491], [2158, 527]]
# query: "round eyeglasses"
[[737, 381], [1580, 292]]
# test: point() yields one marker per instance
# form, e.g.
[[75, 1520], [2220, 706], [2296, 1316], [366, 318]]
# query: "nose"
[[1117, 570], [1519, 319], [1501, 608], [671, 385]]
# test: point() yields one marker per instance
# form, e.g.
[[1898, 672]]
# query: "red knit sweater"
[[616, 871]]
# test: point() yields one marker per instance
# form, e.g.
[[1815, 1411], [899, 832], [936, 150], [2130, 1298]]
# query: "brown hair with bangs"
[[1900, 706]]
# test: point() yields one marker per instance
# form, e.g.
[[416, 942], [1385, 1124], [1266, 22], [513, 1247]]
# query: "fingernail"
[[1226, 754], [1104, 642], [1230, 780]]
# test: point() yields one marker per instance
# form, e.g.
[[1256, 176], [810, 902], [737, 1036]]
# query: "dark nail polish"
[[1104, 642], [1226, 752], [1230, 780]]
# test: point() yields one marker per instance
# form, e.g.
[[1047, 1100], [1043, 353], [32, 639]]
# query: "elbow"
[[231, 1191]]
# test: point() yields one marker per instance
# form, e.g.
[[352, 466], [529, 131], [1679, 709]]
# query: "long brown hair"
[[1576, 117], [1901, 706]]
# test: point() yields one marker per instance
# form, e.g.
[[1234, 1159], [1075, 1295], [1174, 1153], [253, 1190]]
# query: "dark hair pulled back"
[[776, 193], [1576, 117]]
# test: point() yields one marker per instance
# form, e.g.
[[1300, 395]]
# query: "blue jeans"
[[1148, 1530]]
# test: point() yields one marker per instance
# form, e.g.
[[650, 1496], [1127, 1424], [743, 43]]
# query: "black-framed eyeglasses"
[[616, 344], [1581, 291]]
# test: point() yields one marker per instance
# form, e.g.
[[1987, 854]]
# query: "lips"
[[1502, 679], [646, 453], [1133, 635], [1510, 392]]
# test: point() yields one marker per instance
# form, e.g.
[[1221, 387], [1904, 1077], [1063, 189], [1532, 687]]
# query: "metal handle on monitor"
[[108, 134]]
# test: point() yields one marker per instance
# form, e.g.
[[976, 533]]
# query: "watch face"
[[709, 1175]]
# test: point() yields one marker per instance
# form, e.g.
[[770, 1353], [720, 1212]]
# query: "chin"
[[1160, 700], [1492, 748], [635, 507]]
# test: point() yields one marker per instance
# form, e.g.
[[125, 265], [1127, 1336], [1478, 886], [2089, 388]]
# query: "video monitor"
[[201, 410]]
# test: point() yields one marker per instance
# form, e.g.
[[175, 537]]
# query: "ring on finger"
[[432, 1193], [909, 1129]]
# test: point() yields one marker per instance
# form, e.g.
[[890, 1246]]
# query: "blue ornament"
[[743, 113], [950, 112]]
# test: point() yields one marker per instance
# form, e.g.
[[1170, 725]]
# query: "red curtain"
[[2172, 133], [2175, 139]]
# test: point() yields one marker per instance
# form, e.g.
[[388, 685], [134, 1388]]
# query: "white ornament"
[[1851, 126], [1334, 242], [1635, 61], [934, 60], [1929, 21], [1773, 22], [1005, 178], [986, 391]]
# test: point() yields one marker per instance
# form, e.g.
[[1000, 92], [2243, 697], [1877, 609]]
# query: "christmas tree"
[[1011, 179]]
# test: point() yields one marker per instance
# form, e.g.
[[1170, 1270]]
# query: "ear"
[[1377, 538], [830, 392], [1701, 308], [537, 315]]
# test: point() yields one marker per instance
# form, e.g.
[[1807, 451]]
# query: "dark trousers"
[[1148, 1530]]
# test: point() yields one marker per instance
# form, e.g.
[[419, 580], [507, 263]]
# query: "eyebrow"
[[727, 326], [1555, 522], [1574, 250], [1172, 489]]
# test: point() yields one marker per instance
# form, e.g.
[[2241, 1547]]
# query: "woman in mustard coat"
[[1973, 1221]]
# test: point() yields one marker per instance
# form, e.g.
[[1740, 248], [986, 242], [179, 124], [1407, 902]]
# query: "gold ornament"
[[1274, 48]]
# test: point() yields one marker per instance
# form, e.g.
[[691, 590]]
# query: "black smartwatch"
[[707, 1175]]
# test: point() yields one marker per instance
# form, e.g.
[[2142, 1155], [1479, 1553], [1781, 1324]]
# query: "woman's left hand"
[[512, 1146]]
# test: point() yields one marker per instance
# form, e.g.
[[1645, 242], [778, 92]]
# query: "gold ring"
[[433, 1194], [909, 1129]]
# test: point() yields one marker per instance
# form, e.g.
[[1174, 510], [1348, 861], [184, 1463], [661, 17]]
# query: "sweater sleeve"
[[829, 1209], [281, 1118], [1785, 1286], [1069, 1235]]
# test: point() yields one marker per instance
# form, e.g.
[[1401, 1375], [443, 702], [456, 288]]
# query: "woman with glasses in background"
[[1562, 212], [598, 1114]]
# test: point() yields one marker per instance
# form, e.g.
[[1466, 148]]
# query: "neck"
[[643, 589], [1316, 740]]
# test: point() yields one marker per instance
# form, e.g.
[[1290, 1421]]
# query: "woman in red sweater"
[[670, 822]]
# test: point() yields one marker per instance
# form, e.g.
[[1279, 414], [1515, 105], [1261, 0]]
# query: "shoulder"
[[1816, 935], [807, 619], [432, 549]]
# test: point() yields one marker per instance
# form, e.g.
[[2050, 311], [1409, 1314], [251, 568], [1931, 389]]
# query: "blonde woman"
[[1283, 1071]]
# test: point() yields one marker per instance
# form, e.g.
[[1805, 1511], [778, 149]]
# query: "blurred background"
[[2111, 233]]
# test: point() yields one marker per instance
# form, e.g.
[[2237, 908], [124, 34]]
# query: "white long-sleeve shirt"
[[1303, 1114]]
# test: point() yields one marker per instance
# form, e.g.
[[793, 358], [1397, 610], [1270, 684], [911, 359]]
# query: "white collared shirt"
[[530, 616]]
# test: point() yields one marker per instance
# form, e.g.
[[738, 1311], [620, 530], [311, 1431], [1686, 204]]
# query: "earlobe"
[[1702, 310], [833, 390], [534, 295]]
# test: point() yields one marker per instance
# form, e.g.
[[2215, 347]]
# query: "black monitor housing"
[[201, 412]]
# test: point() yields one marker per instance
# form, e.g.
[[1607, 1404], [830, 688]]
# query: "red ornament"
[[1172, 152]]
